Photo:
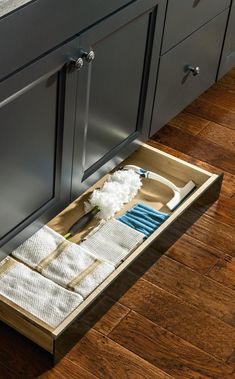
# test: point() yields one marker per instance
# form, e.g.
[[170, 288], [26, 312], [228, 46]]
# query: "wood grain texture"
[[104, 314], [199, 148], [219, 135], [174, 314], [189, 123], [194, 254], [106, 359], [193, 288], [215, 234], [212, 112], [167, 351], [224, 271], [67, 370], [221, 96], [228, 185]]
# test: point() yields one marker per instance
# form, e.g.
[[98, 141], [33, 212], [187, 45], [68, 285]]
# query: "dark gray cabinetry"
[[115, 90], [228, 55], [188, 70], [36, 121], [185, 16]]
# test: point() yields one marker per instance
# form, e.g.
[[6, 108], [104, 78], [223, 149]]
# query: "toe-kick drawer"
[[188, 70], [194, 14], [206, 191]]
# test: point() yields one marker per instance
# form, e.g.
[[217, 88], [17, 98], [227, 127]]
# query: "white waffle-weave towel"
[[113, 241], [76, 265], [38, 247], [36, 294]]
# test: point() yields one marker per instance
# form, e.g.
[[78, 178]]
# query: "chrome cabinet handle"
[[75, 64], [89, 57], [195, 70]]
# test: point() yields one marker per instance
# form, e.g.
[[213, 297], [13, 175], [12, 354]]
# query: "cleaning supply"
[[36, 294], [143, 218], [120, 188], [180, 193], [63, 262], [112, 241]]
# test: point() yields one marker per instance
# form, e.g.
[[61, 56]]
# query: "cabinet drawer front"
[[177, 86], [185, 16]]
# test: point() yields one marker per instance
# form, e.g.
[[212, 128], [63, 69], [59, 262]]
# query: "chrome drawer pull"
[[195, 70]]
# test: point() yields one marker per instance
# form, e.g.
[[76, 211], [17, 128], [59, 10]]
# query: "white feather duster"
[[120, 188]]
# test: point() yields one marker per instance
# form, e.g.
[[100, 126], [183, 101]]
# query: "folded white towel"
[[38, 247], [76, 269], [113, 241], [62, 261], [41, 297]]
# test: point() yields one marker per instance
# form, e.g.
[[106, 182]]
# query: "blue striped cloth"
[[143, 218]]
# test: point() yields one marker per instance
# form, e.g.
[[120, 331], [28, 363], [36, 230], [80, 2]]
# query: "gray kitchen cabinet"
[[188, 70], [115, 90], [108, 101], [185, 16], [36, 121], [228, 54]]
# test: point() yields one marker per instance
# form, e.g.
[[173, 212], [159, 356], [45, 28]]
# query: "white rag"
[[38, 247], [113, 241], [73, 267], [36, 294]]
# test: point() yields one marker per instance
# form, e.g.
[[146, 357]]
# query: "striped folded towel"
[[64, 262], [37, 295]]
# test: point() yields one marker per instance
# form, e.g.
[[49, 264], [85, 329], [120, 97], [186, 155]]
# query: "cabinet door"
[[36, 122], [228, 55], [115, 90]]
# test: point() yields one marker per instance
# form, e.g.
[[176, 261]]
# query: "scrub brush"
[[120, 188]]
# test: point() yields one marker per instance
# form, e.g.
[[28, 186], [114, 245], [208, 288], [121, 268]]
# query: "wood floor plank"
[[228, 185], [172, 313], [104, 315], [194, 288], [194, 254], [197, 147], [214, 233], [167, 351], [14, 348], [212, 112], [224, 271], [7, 373], [219, 135], [66, 369], [223, 210], [189, 123], [186, 250], [106, 359], [221, 96]]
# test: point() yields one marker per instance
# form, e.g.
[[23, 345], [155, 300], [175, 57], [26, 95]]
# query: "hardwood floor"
[[172, 314]]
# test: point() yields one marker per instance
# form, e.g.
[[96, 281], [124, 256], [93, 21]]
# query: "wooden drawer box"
[[153, 193], [186, 16], [177, 86]]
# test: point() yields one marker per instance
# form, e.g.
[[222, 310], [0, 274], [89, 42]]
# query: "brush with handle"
[[120, 188]]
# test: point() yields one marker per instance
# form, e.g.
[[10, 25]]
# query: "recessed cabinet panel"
[[27, 146], [115, 90], [36, 145]]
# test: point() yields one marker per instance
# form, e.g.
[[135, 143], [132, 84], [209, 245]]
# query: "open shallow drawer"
[[152, 193]]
